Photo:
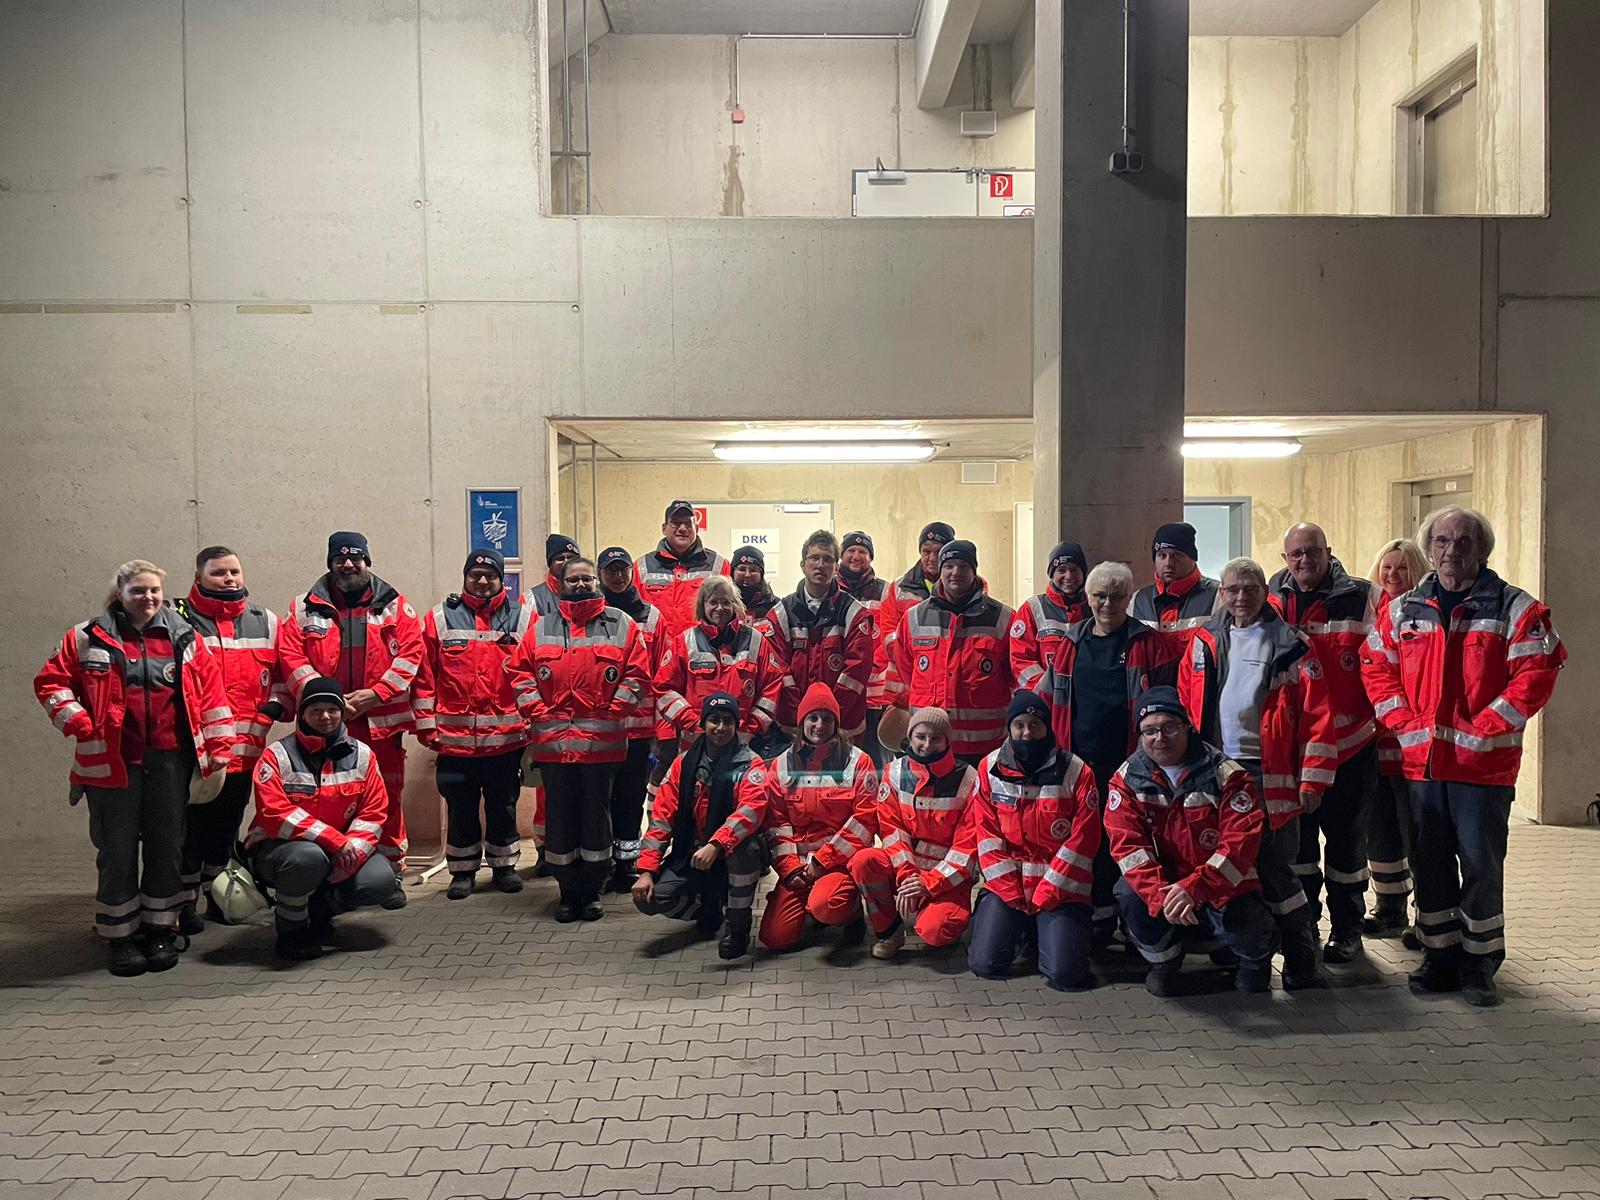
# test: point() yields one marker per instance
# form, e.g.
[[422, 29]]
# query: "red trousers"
[[940, 923], [833, 900]]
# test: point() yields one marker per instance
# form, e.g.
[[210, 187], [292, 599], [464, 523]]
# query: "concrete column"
[[1109, 263]]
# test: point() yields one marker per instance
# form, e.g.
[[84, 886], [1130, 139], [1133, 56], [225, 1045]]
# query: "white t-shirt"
[[1172, 774], [813, 602], [1244, 689]]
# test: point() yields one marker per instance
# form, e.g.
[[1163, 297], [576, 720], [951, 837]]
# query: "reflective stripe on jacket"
[[243, 639], [823, 813], [692, 669], [577, 685], [871, 593], [1459, 698], [1203, 834], [1040, 625], [328, 798], [1297, 749], [1152, 660], [463, 700], [957, 661], [1036, 835], [83, 688], [670, 582], [1337, 618], [309, 645], [921, 817], [832, 646], [685, 817], [1181, 611]]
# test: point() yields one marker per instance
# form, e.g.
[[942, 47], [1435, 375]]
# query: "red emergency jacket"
[[1152, 661], [820, 808], [578, 673], [832, 646], [1180, 607], [329, 794], [309, 641], [872, 593], [1205, 834], [670, 582], [1390, 760], [243, 639], [957, 659], [923, 811], [463, 700], [1040, 625], [652, 629], [1036, 835], [83, 688], [1458, 698], [1337, 618], [687, 814], [693, 667], [904, 594], [1297, 750]]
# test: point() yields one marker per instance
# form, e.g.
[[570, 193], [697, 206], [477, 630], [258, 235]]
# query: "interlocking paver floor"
[[479, 1049]]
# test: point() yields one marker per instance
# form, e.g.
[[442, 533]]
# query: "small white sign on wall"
[[764, 540]]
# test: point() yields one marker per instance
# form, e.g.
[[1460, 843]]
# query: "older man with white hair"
[[1461, 665]]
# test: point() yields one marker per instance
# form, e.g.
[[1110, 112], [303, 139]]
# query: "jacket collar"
[[979, 593], [208, 606], [321, 593], [695, 556], [1283, 640], [1180, 587], [1337, 582]]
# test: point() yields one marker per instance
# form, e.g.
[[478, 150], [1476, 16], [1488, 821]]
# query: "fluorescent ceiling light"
[[822, 452], [1257, 448], [824, 433], [1235, 429]]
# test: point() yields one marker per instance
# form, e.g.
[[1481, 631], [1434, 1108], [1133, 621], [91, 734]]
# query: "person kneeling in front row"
[[1185, 828], [703, 851], [1036, 827], [921, 876], [320, 808]]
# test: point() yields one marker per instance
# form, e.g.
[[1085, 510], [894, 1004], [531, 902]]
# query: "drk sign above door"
[[494, 520]]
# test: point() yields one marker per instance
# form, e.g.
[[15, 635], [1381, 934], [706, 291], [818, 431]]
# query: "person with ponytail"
[[140, 694], [1035, 827]]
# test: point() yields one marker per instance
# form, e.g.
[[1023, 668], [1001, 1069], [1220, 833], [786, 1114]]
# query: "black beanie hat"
[[1175, 535], [1161, 700], [959, 551], [856, 538], [936, 531], [321, 688], [613, 556], [719, 702], [1027, 702], [558, 544], [1067, 552], [490, 558], [749, 554], [346, 542]]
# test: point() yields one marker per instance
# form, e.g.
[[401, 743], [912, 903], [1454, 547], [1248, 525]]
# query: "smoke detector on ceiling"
[[976, 124]]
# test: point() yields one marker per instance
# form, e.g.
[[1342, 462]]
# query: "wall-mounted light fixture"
[[823, 452]]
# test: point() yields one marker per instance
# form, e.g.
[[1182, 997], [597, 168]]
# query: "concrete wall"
[[1307, 125], [892, 503], [375, 181], [663, 141]]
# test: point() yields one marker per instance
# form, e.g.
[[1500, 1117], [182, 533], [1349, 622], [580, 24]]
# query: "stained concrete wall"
[[375, 181], [1307, 125], [663, 141], [892, 503]]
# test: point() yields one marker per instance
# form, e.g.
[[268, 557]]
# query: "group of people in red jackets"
[[1196, 761]]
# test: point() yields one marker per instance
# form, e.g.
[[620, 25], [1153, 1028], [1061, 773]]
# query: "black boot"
[[622, 876], [591, 909], [1388, 918], [1438, 973], [160, 950], [506, 879], [568, 909], [1477, 987], [1342, 947], [126, 958], [541, 869], [1161, 980], [190, 922], [735, 941], [1299, 959], [298, 945], [460, 884]]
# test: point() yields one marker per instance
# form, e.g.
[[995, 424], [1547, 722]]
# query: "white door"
[[777, 528]]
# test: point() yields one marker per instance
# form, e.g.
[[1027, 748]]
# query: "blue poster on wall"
[[494, 520]]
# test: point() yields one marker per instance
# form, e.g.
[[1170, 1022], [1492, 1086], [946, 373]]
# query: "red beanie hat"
[[818, 695]]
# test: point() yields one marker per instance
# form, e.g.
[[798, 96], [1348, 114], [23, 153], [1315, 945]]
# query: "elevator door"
[[1426, 495]]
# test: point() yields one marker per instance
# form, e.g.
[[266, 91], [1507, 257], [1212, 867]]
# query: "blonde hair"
[[125, 574], [714, 587], [1416, 561]]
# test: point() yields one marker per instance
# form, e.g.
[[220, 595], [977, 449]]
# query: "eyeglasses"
[[582, 578], [1464, 542], [1167, 729], [340, 559]]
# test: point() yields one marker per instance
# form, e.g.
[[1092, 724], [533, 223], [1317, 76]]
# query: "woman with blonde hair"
[[1398, 568], [722, 651], [140, 694]]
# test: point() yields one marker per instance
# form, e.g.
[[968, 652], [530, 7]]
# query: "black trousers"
[[297, 871], [493, 782], [1390, 834], [577, 826], [1333, 845], [1460, 871], [627, 800], [143, 820], [1106, 874], [869, 743], [210, 833]]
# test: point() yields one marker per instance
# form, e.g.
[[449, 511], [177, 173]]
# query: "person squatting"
[[1195, 763]]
